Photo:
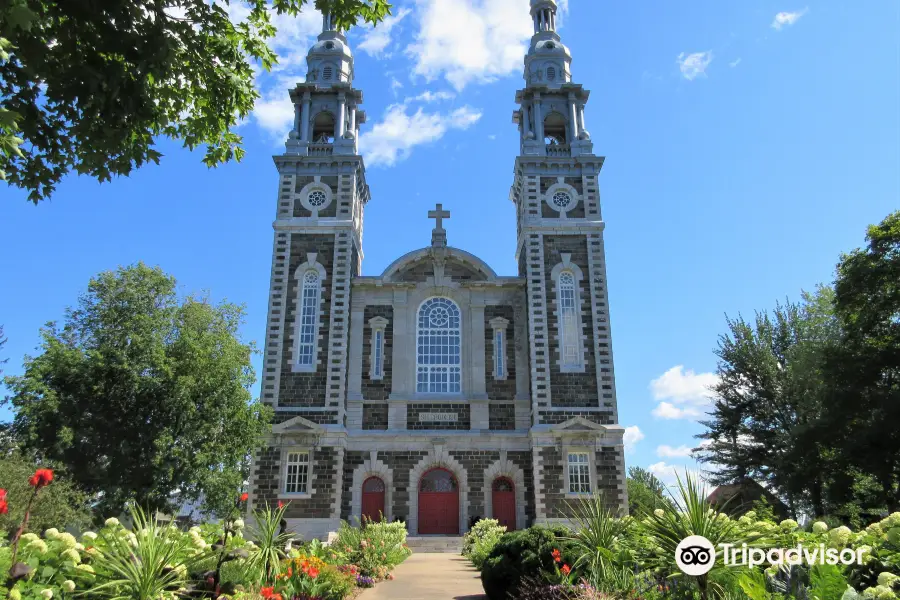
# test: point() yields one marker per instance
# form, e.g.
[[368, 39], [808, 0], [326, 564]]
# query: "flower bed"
[[157, 561], [603, 556]]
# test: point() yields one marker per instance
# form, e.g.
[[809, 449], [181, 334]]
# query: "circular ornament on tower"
[[315, 197], [561, 197]]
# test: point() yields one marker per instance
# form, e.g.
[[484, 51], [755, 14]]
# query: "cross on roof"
[[438, 214]]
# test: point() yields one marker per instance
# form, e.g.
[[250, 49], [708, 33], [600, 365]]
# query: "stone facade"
[[396, 375]]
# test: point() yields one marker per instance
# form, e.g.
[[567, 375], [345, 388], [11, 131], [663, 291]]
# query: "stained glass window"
[[438, 356]]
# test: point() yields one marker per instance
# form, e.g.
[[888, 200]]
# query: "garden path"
[[430, 576]]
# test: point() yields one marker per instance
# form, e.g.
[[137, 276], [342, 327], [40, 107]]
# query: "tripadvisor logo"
[[695, 555]]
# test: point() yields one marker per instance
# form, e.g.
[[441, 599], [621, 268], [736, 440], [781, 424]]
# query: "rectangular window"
[[379, 353], [579, 473], [499, 367], [296, 473]]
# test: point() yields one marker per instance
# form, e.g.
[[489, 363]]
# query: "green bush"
[[481, 539], [376, 548], [520, 554]]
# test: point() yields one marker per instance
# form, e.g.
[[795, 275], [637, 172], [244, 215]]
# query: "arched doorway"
[[503, 502], [438, 503], [373, 499]]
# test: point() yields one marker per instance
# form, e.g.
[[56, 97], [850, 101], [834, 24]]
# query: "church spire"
[[543, 13]]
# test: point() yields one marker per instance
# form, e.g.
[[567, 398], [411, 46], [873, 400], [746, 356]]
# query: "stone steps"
[[447, 544]]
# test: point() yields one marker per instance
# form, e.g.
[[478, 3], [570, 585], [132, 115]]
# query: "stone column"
[[538, 118], [353, 119], [354, 375], [573, 108], [339, 124], [304, 117], [581, 126], [404, 348], [526, 121]]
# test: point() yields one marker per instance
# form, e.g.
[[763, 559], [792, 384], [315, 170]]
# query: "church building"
[[438, 391]]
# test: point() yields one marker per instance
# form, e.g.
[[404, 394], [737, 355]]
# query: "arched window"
[[323, 128], [568, 319], [555, 129], [309, 318], [438, 349]]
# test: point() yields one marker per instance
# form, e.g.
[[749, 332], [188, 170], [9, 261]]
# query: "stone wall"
[[502, 416], [306, 389], [352, 459], [500, 389], [401, 463], [268, 479], [463, 412], [552, 480], [557, 417], [610, 463], [377, 389], [522, 459], [475, 463], [330, 210], [570, 389], [375, 416]]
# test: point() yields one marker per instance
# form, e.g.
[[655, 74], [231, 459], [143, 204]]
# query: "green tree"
[[91, 86], [864, 369], [646, 493], [142, 394], [2, 343], [766, 421], [60, 505]]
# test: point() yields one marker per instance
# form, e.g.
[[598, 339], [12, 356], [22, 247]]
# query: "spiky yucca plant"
[[598, 536], [148, 563], [272, 543], [693, 515]]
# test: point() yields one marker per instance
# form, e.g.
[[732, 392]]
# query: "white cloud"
[[377, 38], [683, 394], [669, 474], [670, 452], [666, 410], [694, 65], [787, 18], [395, 85], [469, 41], [632, 436], [428, 96], [683, 385], [394, 137], [734, 63]]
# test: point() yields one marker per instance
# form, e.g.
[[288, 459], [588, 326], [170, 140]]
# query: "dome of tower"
[[331, 46], [550, 47]]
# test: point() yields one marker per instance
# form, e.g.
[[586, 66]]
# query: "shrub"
[[481, 539], [519, 554], [375, 548], [310, 577]]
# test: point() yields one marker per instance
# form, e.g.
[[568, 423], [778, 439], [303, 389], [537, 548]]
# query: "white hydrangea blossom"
[[29, 537], [789, 525], [72, 555], [85, 567], [68, 586], [112, 522], [887, 579], [238, 524], [68, 540], [51, 534], [47, 593], [659, 512], [39, 545], [840, 536], [820, 527]]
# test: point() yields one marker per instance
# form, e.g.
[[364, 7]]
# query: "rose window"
[[317, 198], [561, 200]]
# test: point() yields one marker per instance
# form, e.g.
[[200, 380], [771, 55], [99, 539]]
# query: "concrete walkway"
[[430, 576]]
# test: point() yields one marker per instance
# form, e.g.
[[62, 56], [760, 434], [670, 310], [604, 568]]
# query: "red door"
[[438, 503], [373, 499], [503, 500]]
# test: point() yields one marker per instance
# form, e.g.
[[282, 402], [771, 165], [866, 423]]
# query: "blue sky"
[[748, 144]]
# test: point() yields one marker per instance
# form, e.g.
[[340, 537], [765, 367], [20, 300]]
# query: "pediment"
[[577, 424], [448, 263], [297, 425]]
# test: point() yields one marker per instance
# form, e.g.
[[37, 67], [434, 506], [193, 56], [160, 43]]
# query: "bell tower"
[[560, 253], [318, 238]]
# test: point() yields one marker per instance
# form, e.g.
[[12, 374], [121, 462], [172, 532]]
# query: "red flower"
[[244, 496], [556, 556], [313, 573], [280, 504], [41, 478], [267, 592], [565, 569], [4, 507]]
